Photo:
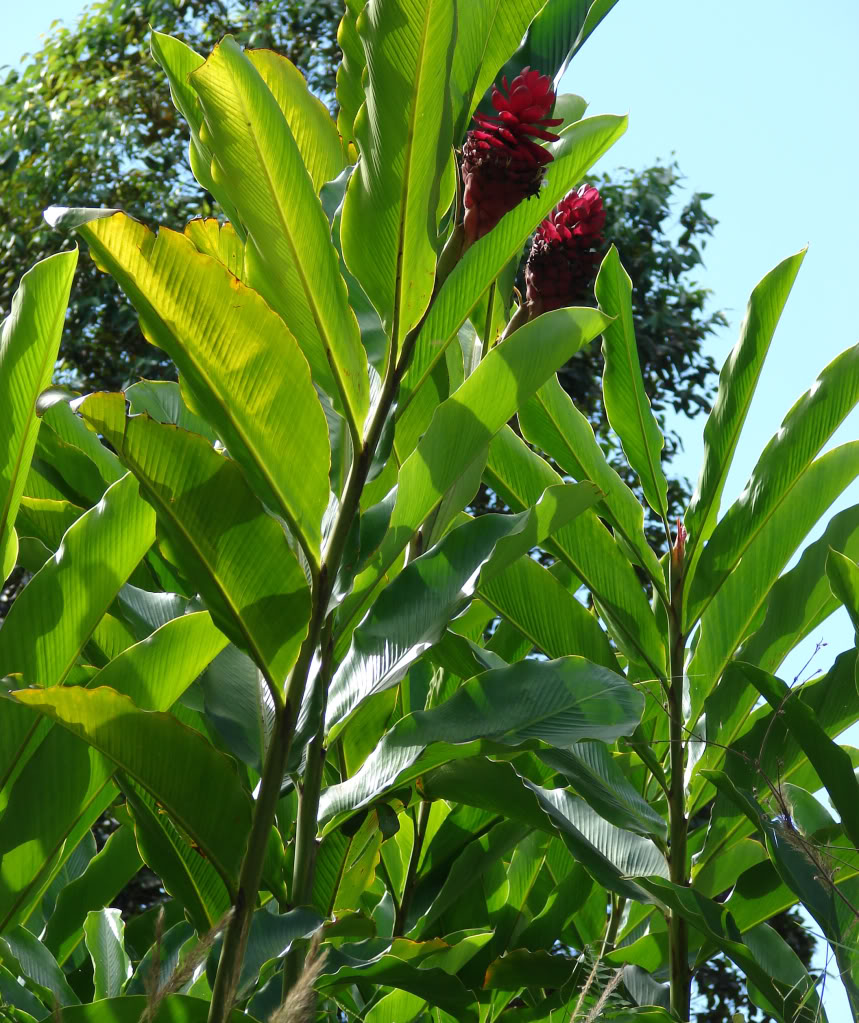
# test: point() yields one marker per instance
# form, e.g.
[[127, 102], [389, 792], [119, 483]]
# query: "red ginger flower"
[[501, 164], [565, 252]]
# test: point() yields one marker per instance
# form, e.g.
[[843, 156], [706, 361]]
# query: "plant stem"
[[678, 936], [236, 935], [487, 328], [411, 872]]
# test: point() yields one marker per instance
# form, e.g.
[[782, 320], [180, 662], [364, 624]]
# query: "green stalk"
[[236, 935], [412, 870], [305, 841], [678, 934]]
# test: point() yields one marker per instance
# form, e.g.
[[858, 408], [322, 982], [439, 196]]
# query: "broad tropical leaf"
[[350, 89], [558, 701], [733, 613], [196, 785], [516, 473], [219, 534], [257, 393], [64, 601], [29, 342], [546, 614], [104, 933], [411, 614], [314, 131], [289, 255], [23, 951], [551, 421], [780, 468], [832, 763], [393, 196], [184, 871], [467, 421], [107, 873], [737, 383], [178, 62], [556, 34], [486, 35], [626, 404]]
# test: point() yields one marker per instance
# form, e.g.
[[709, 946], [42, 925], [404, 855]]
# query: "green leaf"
[[591, 770], [239, 706], [780, 469], [476, 857], [129, 1009], [46, 520], [556, 34], [626, 404], [23, 951], [197, 785], [221, 242], [107, 873], [486, 35], [545, 613], [737, 383], [521, 968], [411, 614], [104, 933], [162, 401], [314, 131], [580, 146], [271, 937], [350, 88], [16, 996], [396, 1007], [558, 701], [767, 748], [235, 355], [72, 431], [289, 257], [832, 763], [514, 471], [609, 854], [785, 994], [805, 596], [488, 784], [733, 613], [551, 421], [222, 539], [347, 859], [64, 601], [184, 872], [843, 575], [178, 62], [393, 196], [796, 606], [467, 421], [29, 342]]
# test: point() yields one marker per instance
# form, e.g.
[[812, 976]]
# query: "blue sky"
[[757, 100]]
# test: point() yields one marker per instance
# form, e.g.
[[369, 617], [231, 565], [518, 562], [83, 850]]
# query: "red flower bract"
[[565, 252], [501, 164]]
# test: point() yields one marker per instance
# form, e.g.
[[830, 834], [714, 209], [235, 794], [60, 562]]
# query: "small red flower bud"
[[565, 252], [678, 550], [501, 164]]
